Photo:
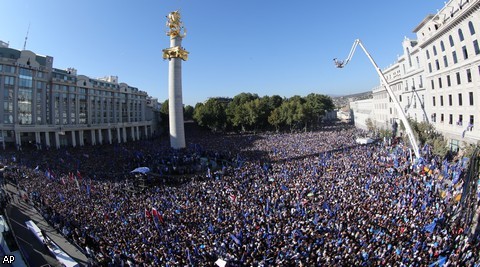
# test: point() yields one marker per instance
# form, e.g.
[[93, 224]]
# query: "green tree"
[[211, 115], [188, 112], [370, 125], [294, 112], [164, 114], [317, 106], [257, 114], [439, 147], [276, 119], [273, 102], [236, 110]]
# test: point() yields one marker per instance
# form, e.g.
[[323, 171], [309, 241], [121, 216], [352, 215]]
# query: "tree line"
[[249, 112]]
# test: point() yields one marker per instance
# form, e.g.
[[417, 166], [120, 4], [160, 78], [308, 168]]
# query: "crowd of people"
[[296, 199]]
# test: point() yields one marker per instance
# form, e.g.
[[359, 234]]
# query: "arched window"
[[428, 54], [460, 35], [434, 50], [442, 46], [472, 29]]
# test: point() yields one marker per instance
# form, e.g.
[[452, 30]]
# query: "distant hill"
[[342, 101]]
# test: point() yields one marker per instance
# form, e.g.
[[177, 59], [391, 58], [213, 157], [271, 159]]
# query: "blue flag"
[[440, 262], [430, 227]]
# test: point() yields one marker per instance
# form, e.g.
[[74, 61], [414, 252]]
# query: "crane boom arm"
[[403, 118], [341, 64]]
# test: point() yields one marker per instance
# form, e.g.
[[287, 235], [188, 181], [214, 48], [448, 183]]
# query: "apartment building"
[[46, 107]]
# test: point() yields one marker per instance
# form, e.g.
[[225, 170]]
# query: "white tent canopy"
[[141, 170]]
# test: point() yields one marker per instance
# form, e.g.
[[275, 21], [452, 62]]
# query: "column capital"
[[175, 52]]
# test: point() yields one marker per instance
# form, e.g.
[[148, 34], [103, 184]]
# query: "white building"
[[436, 77], [49, 107], [363, 112]]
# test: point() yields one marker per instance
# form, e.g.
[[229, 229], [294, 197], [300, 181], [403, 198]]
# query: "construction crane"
[[403, 118]]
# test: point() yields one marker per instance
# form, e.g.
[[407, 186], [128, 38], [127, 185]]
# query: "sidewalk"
[[20, 211]]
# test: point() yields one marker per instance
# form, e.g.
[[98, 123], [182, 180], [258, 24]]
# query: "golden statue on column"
[[176, 30]]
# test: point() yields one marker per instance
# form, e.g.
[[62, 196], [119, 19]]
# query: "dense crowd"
[[302, 199]]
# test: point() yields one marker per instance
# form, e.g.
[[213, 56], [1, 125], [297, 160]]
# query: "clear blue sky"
[[266, 47]]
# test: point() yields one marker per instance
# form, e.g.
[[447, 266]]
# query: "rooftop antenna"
[[26, 37]]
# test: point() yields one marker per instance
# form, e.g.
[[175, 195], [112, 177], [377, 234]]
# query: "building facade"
[[47, 107], [437, 78]]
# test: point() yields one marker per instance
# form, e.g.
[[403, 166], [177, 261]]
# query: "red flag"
[[78, 174], [147, 214], [157, 215]]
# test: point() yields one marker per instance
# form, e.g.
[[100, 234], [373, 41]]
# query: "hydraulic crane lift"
[[403, 118]]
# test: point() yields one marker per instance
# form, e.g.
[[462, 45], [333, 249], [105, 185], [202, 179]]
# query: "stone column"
[[80, 137], [47, 139], [100, 137], [124, 134], [175, 101], [18, 140], [92, 134], [109, 136], [132, 133], [38, 140], [57, 140], [74, 140]]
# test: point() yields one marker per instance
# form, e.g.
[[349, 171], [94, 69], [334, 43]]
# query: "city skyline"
[[264, 48]]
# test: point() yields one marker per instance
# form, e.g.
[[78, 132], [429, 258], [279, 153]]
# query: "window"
[[9, 80], [433, 101], [428, 54], [450, 100], [454, 55], [442, 46], [434, 117], [459, 81], [460, 120], [450, 39], [460, 35], [441, 118], [471, 28], [433, 84], [471, 121], [421, 81], [475, 47], [465, 53], [430, 67], [450, 119], [470, 97], [469, 76], [439, 82], [445, 61], [9, 69], [460, 100], [437, 65], [441, 100], [434, 50], [449, 82]]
